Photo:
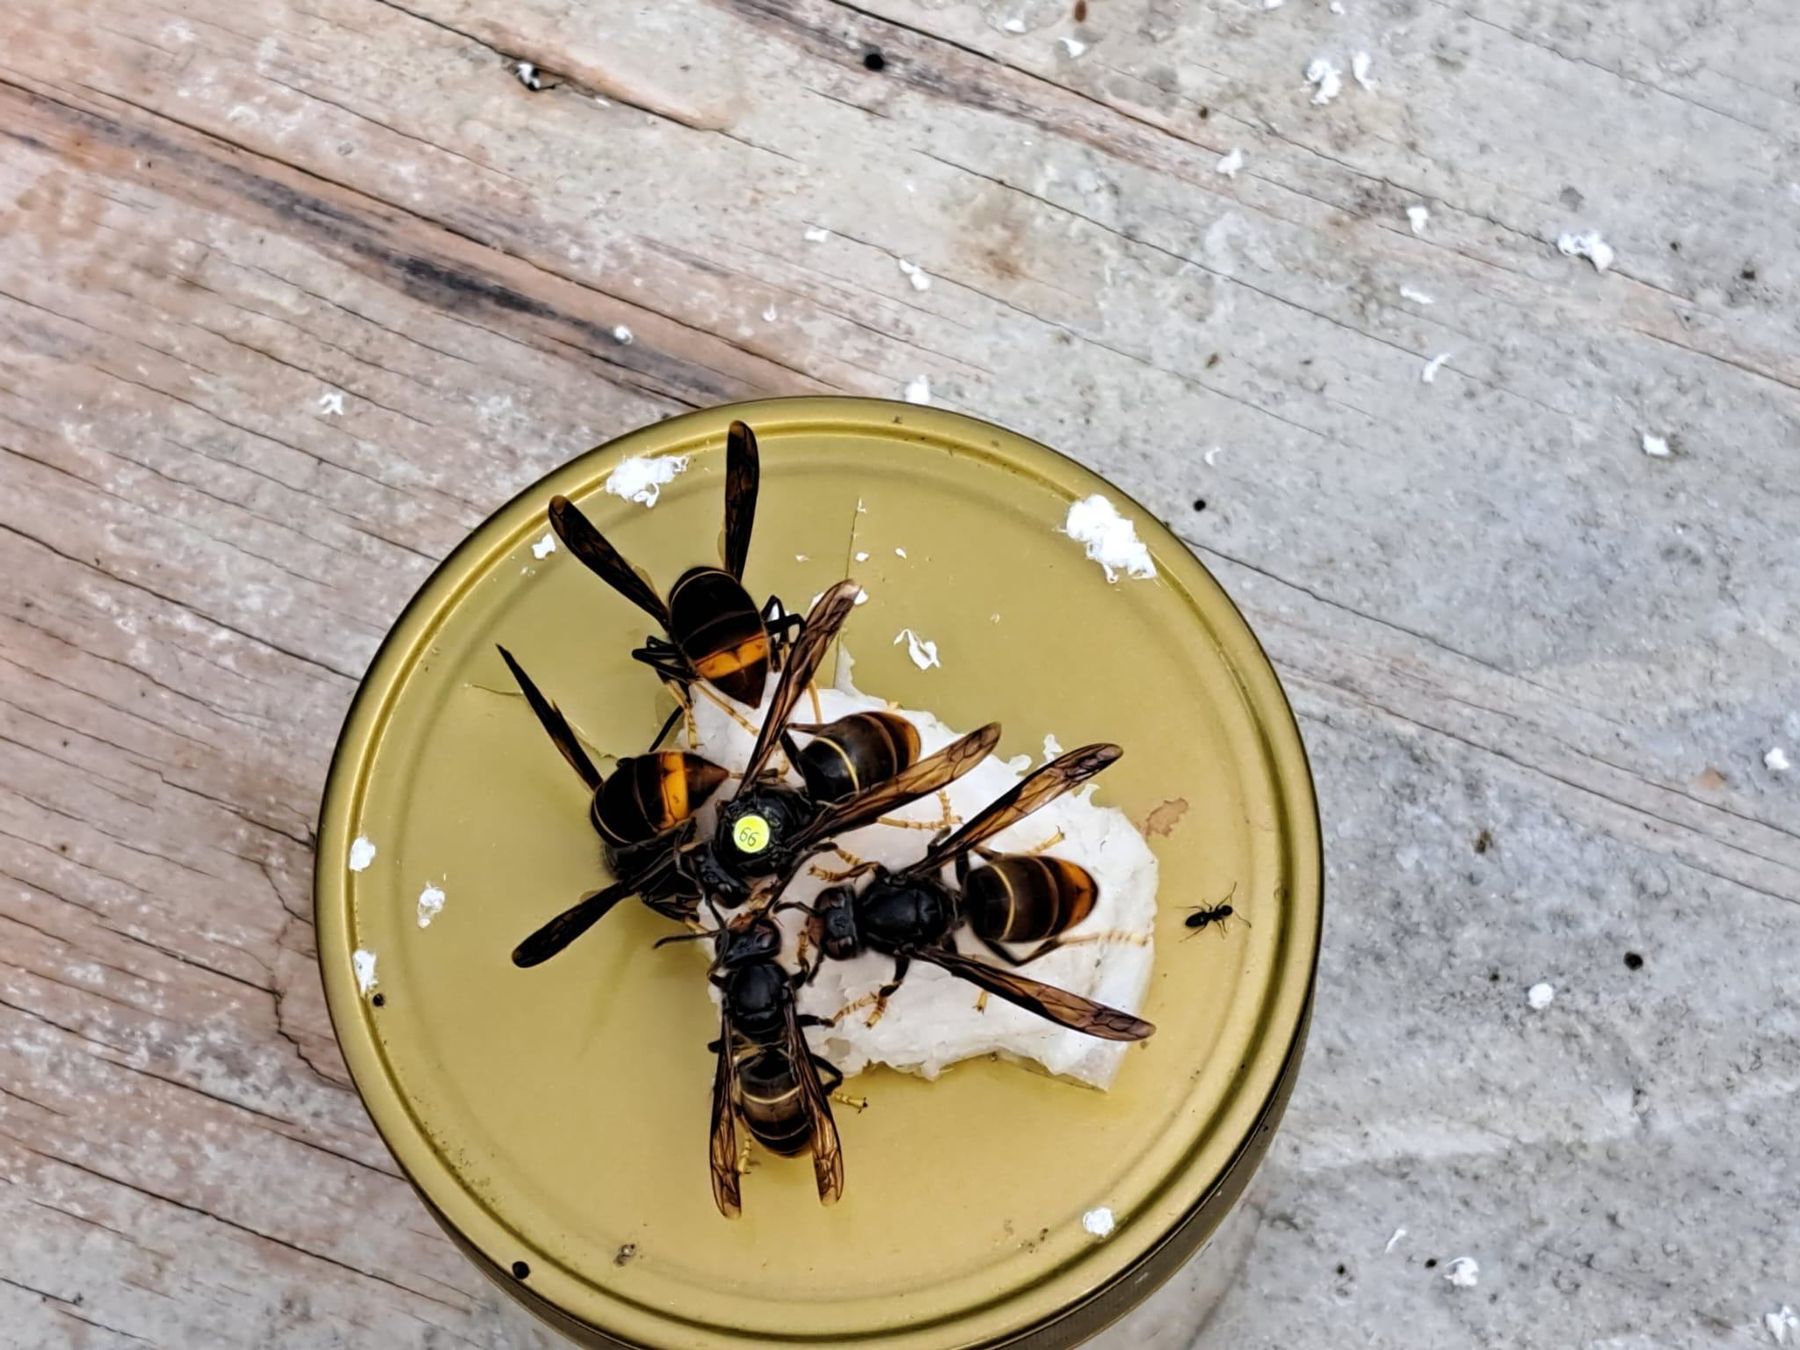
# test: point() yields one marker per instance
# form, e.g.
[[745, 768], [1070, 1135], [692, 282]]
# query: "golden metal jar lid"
[[555, 1119]]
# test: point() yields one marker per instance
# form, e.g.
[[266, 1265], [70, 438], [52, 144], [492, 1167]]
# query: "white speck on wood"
[[1230, 164], [924, 654], [1415, 295], [1419, 217], [331, 403], [1360, 65], [817, 234], [364, 964], [1014, 25], [642, 479], [1432, 367], [920, 278], [1464, 1272], [1394, 1241], [1098, 1222], [1336, 6], [919, 390], [1777, 760], [1212, 456], [622, 335], [1326, 79], [431, 904], [1541, 995], [1273, 4], [1073, 46], [1781, 1323], [544, 547], [1657, 447], [1108, 537], [770, 314], [1587, 244], [362, 853], [528, 75]]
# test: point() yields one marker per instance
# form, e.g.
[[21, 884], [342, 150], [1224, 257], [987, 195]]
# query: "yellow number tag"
[[750, 834]]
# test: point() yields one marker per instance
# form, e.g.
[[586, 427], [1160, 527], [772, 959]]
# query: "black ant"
[[1201, 917]]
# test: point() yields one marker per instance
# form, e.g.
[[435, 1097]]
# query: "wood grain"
[[1493, 611]]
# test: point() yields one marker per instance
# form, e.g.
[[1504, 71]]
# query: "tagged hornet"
[[765, 829]]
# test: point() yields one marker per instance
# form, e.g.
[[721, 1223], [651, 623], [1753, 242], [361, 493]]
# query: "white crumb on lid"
[[364, 965], [1394, 1241], [899, 553], [817, 234], [862, 597], [1230, 164], [1541, 995], [1099, 1221], [1108, 537], [331, 402], [544, 547], [431, 904], [1432, 367], [1052, 747], [1326, 79], [924, 654], [1418, 297], [919, 390], [1780, 1322], [1360, 65], [801, 557], [362, 853], [622, 335], [1464, 1272], [1073, 46], [862, 557], [1657, 447], [1418, 217], [1587, 244], [1777, 759], [642, 478], [920, 278]]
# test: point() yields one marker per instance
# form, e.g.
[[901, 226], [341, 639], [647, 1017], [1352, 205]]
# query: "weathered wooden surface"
[[1498, 618]]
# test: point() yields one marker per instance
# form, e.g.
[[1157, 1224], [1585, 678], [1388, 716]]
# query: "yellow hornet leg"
[[1051, 842], [856, 1005], [981, 1001], [945, 820], [856, 1104], [1112, 935], [857, 867]]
